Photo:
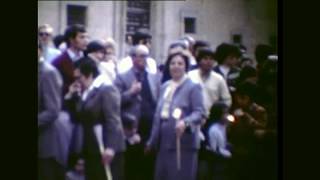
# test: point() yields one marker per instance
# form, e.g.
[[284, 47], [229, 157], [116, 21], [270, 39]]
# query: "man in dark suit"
[[77, 40], [139, 92], [53, 127]]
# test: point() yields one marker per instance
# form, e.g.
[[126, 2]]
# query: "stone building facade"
[[215, 21]]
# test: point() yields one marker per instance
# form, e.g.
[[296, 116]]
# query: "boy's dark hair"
[[224, 50], [72, 31], [95, 46], [57, 40], [200, 44], [247, 89], [217, 110], [129, 121], [246, 72], [203, 52], [138, 36], [87, 66]]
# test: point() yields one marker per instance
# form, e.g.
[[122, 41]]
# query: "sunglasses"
[[44, 34]]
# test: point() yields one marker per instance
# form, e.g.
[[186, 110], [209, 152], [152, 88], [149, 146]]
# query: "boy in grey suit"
[[98, 113]]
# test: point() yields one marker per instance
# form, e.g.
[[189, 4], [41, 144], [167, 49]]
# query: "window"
[[237, 38], [76, 14], [138, 16], [189, 25]]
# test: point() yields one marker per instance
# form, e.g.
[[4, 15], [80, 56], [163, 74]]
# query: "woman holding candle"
[[175, 131]]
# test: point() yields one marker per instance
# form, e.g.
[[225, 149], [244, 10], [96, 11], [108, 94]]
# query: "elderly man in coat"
[[139, 92]]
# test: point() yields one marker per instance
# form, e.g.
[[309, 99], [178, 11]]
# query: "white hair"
[[139, 48]]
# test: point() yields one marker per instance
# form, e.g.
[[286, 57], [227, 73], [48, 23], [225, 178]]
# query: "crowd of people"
[[207, 114]]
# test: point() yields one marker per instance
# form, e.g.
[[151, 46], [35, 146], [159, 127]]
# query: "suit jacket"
[[187, 97], [65, 66], [54, 129], [130, 104], [102, 106]]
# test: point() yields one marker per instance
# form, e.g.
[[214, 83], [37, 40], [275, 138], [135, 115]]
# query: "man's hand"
[[75, 87], [147, 149], [238, 113], [107, 156], [135, 139], [135, 87], [180, 127]]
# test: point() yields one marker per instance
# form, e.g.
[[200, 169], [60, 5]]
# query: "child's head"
[[245, 94], [129, 122], [218, 112], [248, 74], [79, 166]]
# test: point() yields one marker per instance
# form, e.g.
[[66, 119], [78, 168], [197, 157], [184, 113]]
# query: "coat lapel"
[[153, 86], [90, 96], [130, 77]]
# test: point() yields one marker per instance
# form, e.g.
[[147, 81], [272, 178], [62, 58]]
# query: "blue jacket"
[[187, 97]]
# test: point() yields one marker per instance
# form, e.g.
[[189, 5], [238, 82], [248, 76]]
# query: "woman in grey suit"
[[176, 123]]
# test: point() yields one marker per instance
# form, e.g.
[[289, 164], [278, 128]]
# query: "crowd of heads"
[[254, 81], [196, 53], [261, 69]]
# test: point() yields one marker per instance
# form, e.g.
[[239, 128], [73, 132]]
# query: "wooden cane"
[[106, 166], [177, 115], [98, 133], [178, 149]]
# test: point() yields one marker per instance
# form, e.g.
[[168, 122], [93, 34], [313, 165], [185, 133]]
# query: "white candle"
[[230, 118], [177, 112]]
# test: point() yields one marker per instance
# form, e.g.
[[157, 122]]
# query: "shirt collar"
[[102, 79], [224, 67], [225, 70], [178, 83], [94, 58], [73, 55]]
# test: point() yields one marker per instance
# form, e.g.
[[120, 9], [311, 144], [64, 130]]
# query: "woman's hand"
[[180, 128]]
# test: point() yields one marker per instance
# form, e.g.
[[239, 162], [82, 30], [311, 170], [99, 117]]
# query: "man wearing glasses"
[[45, 33], [139, 91]]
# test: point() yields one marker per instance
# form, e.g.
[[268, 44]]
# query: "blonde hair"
[[110, 42], [48, 28]]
